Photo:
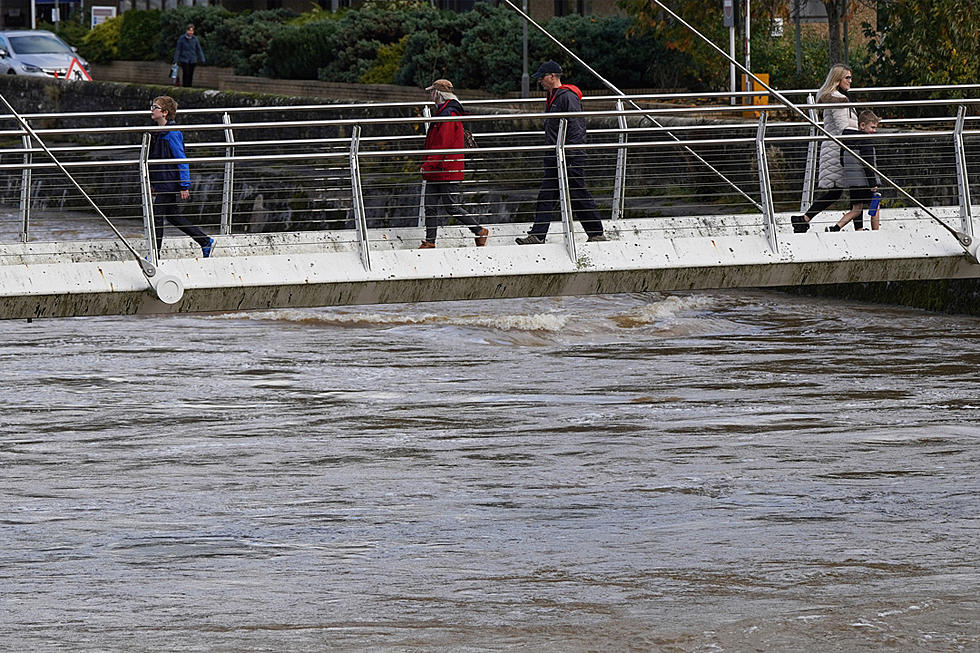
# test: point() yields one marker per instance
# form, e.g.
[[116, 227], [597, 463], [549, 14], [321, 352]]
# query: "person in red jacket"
[[443, 172]]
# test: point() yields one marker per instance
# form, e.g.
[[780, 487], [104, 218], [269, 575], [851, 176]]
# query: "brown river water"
[[709, 471]]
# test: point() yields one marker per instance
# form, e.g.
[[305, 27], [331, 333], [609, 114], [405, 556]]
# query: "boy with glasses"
[[168, 181]]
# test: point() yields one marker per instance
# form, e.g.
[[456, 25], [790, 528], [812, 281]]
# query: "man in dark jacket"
[[443, 172], [562, 98], [188, 54], [168, 181]]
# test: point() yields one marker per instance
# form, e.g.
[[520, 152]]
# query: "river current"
[[709, 471]]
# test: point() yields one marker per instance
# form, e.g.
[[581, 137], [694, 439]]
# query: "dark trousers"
[[583, 206], [824, 202], [166, 209], [442, 199], [187, 74]]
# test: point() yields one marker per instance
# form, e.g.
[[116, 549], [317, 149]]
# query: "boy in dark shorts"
[[861, 180]]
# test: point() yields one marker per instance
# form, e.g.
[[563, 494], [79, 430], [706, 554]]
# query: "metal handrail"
[[337, 150]]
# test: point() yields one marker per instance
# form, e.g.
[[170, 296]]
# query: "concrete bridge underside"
[[254, 272]]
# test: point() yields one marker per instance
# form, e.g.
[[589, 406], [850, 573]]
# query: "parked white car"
[[37, 52]]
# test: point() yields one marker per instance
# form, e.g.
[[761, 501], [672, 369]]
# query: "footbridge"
[[319, 205]]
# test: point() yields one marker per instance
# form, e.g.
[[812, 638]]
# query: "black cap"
[[547, 68]]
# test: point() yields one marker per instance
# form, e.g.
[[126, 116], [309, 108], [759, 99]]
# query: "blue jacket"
[[169, 177], [188, 50]]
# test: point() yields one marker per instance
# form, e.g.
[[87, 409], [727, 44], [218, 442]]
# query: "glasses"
[[154, 107]]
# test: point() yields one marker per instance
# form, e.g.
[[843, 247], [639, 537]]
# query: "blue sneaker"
[[207, 249]]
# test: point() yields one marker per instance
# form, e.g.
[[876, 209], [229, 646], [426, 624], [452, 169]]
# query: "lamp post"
[[525, 79]]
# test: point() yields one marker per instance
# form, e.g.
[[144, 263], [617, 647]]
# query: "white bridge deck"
[[738, 237]]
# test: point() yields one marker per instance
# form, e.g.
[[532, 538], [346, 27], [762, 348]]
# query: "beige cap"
[[443, 85]]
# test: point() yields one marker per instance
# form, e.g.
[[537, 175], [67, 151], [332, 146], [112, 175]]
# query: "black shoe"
[[800, 225], [832, 228], [530, 239], [597, 238]]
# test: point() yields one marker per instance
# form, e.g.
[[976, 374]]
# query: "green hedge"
[[411, 43]]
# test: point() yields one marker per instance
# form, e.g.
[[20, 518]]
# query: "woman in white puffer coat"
[[831, 176]]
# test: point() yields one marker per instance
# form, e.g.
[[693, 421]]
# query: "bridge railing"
[[348, 175]]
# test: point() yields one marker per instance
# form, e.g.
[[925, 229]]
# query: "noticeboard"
[[102, 14]]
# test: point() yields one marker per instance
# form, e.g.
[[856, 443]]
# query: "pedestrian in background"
[[168, 181], [443, 172], [562, 98], [188, 54]]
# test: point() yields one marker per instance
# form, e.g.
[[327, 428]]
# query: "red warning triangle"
[[77, 72]]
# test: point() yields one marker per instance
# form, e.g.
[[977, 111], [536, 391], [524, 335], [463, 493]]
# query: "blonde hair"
[[837, 73], [168, 104]]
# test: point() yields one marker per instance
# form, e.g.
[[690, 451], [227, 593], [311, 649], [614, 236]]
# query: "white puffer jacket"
[[835, 121]]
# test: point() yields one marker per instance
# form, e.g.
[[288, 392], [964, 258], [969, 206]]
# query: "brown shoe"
[[481, 240], [427, 245]]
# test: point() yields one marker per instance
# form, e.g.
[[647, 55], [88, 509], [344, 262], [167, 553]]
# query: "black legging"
[[823, 202], [187, 78]]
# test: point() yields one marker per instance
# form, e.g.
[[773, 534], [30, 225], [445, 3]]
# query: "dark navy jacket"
[[565, 99], [169, 177]]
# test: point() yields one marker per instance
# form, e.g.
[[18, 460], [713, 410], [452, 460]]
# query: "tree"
[[926, 42]]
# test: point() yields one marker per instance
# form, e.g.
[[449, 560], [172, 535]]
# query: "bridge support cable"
[[812, 159], [962, 238], [765, 185], [962, 175], [25, 190], [148, 269], [357, 198], [616, 90], [228, 182], [564, 193]]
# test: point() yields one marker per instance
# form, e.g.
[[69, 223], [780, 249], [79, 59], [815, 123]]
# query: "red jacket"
[[445, 136]]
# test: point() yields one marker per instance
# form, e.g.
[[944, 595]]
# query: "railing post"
[[962, 174], [147, 195], [564, 196], [619, 186], [357, 197], [427, 114], [25, 190], [228, 187], [765, 184], [812, 161]]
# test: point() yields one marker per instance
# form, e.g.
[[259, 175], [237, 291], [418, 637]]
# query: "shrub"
[[101, 45], [138, 35], [174, 22], [298, 53]]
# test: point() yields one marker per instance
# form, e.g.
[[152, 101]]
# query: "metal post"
[[619, 186], [428, 114], [748, 47], [25, 190], [357, 197], [962, 175], [147, 195], [525, 79], [765, 185], [228, 186], [812, 160], [564, 196]]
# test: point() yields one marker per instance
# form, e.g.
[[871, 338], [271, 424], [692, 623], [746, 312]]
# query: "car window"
[[37, 44]]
